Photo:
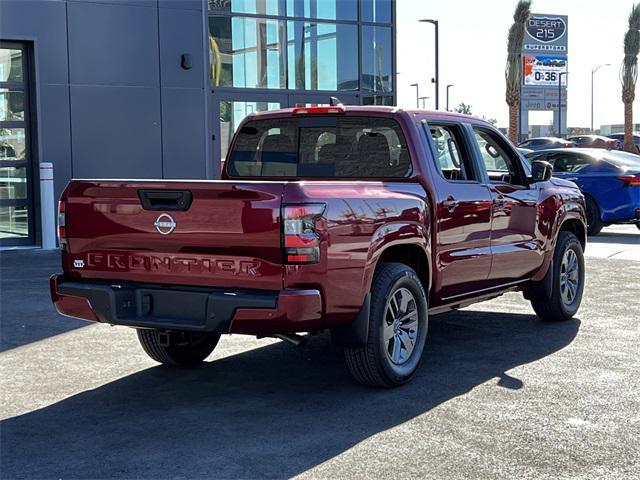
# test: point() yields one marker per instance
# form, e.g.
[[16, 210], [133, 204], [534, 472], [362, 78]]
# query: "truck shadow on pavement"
[[275, 411], [26, 312]]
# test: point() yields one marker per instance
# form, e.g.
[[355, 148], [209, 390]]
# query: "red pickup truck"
[[358, 220]]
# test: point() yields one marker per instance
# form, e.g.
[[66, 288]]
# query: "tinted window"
[[376, 59], [269, 7], [376, 11], [342, 147], [326, 9], [566, 162], [450, 157], [317, 58], [246, 52]]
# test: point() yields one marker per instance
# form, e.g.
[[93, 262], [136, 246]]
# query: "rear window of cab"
[[321, 146]]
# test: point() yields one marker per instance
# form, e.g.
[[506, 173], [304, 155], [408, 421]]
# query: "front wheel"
[[177, 348], [398, 321], [562, 300]]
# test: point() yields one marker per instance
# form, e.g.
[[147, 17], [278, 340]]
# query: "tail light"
[[301, 233], [62, 224], [630, 180]]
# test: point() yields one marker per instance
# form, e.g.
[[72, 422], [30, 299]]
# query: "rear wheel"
[[594, 224], [398, 321], [177, 348], [563, 299]]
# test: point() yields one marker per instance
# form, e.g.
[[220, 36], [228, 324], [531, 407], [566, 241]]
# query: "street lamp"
[[417, 94], [435, 80], [424, 99], [592, 74], [560, 102], [448, 87]]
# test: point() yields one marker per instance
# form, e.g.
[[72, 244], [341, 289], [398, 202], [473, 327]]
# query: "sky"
[[473, 36]]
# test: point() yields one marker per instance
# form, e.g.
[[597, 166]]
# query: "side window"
[[503, 165], [568, 163], [451, 158]]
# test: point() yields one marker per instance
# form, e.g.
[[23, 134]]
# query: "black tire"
[[371, 364], [554, 306], [638, 225], [594, 224], [185, 348]]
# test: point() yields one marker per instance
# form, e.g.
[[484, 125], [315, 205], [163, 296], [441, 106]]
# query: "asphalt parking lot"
[[499, 394]]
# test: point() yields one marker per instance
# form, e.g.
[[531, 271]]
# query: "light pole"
[[424, 99], [436, 80], [560, 102], [592, 74], [448, 87], [417, 94]]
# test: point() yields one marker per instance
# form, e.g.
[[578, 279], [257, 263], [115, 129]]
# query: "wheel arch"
[[577, 227], [407, 243]]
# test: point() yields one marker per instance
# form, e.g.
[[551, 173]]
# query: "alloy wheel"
[[400, 326], [569, 277]]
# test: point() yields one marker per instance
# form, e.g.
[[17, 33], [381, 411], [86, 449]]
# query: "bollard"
[[47, 206]]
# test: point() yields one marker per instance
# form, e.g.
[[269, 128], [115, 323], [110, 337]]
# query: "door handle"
[[450, 203]]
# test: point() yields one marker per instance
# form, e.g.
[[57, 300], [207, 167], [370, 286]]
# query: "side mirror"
[[541, 171]]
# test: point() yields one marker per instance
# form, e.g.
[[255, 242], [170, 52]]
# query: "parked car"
[[525, 151], [544, 143], [358, 220], [595, 141], [610, 181], [620, 138]]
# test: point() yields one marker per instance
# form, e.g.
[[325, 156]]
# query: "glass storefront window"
[[14, 222], [322, 56], [378, 100], [12, 144], [323, 9], [11, 105], [376, 60], [378, 11], [232, 113], [246, 52], [259, 7], [13, 183], [11, 65]]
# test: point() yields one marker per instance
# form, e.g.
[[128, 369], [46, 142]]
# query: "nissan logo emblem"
[[165, 224]]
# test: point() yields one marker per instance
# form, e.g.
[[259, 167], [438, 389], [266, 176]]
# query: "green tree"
[[513, 70], [463, 108], [629, 75]]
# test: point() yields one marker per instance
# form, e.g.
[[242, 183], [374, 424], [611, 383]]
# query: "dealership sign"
[[543, 70], [546, 34]]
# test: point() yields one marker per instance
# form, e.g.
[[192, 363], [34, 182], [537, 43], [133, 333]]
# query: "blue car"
[[609, 180]]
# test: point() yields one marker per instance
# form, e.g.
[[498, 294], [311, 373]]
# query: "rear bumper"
[[188, 308]]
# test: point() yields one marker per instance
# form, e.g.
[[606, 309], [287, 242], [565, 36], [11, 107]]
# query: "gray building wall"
[[111, 95]]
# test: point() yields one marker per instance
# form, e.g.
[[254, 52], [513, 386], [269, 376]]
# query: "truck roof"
[[374, 109]]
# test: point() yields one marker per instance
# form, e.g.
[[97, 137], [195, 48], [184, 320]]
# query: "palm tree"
[[629, 75], [513, 71]]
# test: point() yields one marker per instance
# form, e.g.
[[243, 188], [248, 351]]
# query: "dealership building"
[[155, 88]]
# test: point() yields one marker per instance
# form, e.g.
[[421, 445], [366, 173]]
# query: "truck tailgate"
[[229, 236]]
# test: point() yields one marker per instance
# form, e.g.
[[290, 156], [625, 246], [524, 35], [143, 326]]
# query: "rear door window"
[[326, 147]]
